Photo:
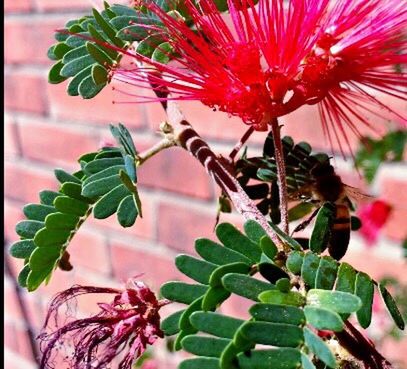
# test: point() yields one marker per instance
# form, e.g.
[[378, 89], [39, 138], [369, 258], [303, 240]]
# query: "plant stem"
[[241, 142], [189, 139], [159, 146], [281, 174]]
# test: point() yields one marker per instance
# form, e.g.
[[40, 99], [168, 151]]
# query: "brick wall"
[[44, 129]]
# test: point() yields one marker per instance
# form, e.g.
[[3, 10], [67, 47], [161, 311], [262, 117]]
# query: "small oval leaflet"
[[323, 319], [319, 348], [337, 301]]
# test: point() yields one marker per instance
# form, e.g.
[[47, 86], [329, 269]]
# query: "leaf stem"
[[165, 143], [281, 174]]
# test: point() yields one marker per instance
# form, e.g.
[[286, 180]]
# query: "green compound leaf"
[[47, 197], [323, 319], [204, 346], [278, 313], [100, 75], [274, 334], [170, 325], [101, 186], [254, 231], [216, 324], [346, 278], [214, 297], [217, 254], [268, 247], [233, 239], [28, 228], [281, 298], [200, 363], [23, 276], [109, 203], [22, 249], [364, 289], [285, 238], [322, 229], [309, 268], [319, 348], [299, 211], [54, 74], [50, 226], [294, 262], [216, 277], [182, 292], [163, 53], [391, 306], [326, 273], [198, 270], [63, 176], [340, 302], [127, 211], [271, 272], [306, 362], [245, 286], [282, 358], [61, 221]]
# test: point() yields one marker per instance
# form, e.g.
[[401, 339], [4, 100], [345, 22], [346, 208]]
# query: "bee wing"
[[356, 195]]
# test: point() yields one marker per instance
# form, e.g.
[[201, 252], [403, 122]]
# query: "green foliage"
[[345, 279], [280, 316], [263, 170], [373, 152], [105, 184], [90, 48]]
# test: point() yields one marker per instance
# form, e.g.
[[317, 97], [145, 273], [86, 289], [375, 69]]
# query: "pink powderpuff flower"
[[276, 56], [126, 325], [373, 216]]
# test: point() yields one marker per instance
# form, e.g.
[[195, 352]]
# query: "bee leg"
[[306, 222]]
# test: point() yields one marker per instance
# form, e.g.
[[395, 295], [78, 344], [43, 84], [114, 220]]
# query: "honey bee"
[[327, 186]]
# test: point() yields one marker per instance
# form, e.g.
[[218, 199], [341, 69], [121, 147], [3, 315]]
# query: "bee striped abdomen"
[[340, 234]]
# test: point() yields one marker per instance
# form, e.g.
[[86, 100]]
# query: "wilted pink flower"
[[373, 216], [128, 324], [278, 55]]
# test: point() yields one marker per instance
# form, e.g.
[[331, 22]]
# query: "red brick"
[[12, 215], [51, 5], [13, 310], [89, 250], [17, 6], [209, 124], [99, 110], [302, 125], [128, 262], [28, 39], [176, 170], [64, 144], [394, 191], [23, 182], [25, 92], [179, 226], [11, 145], [10, 338]]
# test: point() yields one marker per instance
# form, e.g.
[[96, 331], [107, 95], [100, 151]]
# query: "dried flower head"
[[276, 56], [125, 326]]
